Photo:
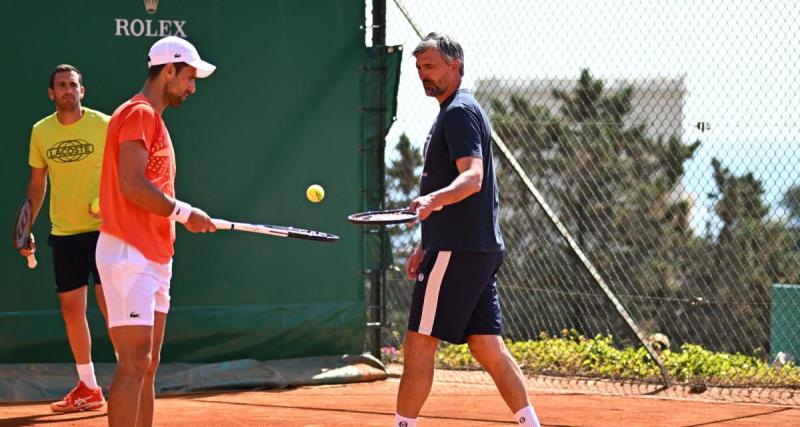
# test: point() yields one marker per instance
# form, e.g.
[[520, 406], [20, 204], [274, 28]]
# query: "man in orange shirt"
[[135, 247]]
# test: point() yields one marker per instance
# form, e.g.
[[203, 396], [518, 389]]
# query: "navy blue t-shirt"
[[471, 225]]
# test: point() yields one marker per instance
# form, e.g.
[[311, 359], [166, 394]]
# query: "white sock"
[[401, 421], [86, 374], [527, 417]]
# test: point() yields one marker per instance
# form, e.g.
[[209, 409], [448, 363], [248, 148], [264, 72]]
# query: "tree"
[[402, 186], [616, 189], [791, 201], [750, 253]]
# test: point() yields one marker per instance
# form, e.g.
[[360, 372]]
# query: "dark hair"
[[60, 69], [155, 70], [445, 45]]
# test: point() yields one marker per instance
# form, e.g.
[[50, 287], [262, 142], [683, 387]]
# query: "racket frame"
[[362, 218], [21, 236], [275, 230]]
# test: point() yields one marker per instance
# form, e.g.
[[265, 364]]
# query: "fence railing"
[[667, 145]]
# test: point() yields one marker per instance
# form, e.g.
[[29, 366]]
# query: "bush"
[[575, 355]]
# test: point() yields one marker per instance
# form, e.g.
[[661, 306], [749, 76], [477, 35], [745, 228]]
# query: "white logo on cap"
[[175, 49], [421, 277]]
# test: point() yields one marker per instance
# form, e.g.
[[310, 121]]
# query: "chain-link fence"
[[664, 136]]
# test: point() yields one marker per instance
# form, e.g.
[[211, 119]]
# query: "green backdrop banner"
[[283, 110]]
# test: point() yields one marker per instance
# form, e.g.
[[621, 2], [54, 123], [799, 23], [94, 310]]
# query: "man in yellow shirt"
[[68, 147]]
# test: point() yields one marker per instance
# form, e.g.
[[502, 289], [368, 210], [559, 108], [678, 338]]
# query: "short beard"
[[175, 101], [434, 90], [74, 105]]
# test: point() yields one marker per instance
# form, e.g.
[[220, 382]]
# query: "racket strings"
[[21, 231], [389, 216]]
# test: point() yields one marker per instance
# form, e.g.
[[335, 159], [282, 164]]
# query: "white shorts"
[[134, 286]]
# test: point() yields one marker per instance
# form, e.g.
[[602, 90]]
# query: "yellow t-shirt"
[[73, 156]]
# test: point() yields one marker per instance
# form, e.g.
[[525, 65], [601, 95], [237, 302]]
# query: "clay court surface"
[[450, 404]]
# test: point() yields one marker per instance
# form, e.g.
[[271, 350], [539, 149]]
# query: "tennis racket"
[[275, 230], [393, 216], [22, 231]]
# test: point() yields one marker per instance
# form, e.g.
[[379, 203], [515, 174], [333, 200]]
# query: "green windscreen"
[[283, 111]]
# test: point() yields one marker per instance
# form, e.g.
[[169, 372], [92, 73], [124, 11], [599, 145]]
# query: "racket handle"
[[32, 261], [221, 224]]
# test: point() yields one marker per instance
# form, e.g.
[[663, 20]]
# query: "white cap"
[[175, 49]]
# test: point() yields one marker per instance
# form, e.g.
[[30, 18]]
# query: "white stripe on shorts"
[[432, 292]]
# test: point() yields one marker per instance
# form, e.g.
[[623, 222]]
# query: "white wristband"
[[181, 212]]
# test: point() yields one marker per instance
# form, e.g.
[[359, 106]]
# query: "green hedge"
[[575, 355]]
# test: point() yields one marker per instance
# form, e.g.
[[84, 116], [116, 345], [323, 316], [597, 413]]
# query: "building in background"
[[656, 103]]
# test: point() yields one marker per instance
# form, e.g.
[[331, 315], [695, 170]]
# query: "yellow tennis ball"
[[315, 193], [95, 208]]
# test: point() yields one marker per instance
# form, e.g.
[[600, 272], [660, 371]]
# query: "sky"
[[738, 60]]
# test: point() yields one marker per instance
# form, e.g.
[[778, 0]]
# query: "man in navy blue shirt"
[[455, 297]]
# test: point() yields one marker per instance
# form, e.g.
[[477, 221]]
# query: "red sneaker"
[[80, 398]]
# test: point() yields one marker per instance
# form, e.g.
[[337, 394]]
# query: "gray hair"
[[445, 45]]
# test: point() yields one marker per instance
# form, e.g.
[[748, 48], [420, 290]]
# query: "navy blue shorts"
[[74, 260], [456, 296]]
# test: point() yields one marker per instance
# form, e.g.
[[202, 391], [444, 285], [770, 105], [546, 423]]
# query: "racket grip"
[[221, 224], [32, 261]]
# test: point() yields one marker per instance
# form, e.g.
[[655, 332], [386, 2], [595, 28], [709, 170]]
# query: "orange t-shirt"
[[153, 235]]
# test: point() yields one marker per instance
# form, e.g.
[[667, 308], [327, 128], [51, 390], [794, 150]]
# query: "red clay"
[[372, 404]]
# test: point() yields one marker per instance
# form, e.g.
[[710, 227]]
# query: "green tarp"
[[287, 107], [381, 82], [51, 381]]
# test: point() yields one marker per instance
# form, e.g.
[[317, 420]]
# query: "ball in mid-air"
[[95, 207], [315, 193]]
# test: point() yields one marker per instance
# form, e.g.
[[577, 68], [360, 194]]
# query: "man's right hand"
[[199, 222], [412, 265]]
